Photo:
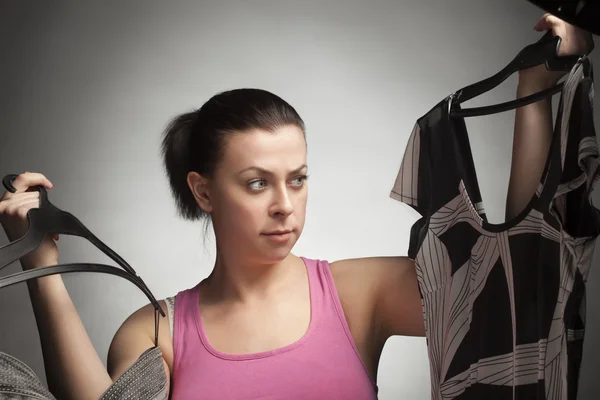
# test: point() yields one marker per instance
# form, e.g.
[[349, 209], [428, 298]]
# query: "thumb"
[[546, 23]]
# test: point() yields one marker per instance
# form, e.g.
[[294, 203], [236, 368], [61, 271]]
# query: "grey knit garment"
[[18, 381], [145, 379]]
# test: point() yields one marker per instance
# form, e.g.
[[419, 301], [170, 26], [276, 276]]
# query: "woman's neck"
[[240, 280]]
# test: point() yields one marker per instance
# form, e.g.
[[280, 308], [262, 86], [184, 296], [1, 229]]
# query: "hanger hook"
[[451, 98], [7, 182]]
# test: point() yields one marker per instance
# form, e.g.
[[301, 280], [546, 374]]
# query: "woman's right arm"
[[73, 368]]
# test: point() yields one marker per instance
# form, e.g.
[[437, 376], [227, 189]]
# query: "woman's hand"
[[574, 41], [13, 218]]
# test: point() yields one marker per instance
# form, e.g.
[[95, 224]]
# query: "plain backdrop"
[[86, 89]]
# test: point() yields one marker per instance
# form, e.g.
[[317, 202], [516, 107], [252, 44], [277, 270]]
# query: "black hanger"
[[544, 51], [48, 219], [23, 276]]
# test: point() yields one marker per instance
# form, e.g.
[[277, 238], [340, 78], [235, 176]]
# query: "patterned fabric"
[[503, 304], [170, 302], [145, 379], [18, 381]]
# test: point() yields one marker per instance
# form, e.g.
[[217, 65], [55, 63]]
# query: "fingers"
[[18, 206], [574, 39], [548, 22], [9, 205], [23, 208], [543, 24], [29, 179]]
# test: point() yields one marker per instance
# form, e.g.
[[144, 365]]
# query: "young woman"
[[265, 321]]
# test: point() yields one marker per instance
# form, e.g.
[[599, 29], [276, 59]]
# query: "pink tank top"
[[323, 364]]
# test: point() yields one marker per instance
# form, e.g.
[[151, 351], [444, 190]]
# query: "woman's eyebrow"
[[267, 172]]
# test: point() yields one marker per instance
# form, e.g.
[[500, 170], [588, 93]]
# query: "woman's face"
[[258, 194]]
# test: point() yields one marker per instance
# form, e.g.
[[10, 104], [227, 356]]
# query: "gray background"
[[86, 90]]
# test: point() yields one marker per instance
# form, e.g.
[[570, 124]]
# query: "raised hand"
[[13, 218]]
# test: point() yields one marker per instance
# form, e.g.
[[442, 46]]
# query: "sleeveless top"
[[504, 304], [323, 364]]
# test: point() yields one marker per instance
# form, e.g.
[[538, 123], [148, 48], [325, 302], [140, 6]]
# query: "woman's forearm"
[[73, 368], [532, 138]]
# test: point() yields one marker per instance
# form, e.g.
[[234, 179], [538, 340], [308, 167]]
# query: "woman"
[[265, 320]]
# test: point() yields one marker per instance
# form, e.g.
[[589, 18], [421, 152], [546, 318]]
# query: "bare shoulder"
[[136, 335], [386, 287], [369, 273]]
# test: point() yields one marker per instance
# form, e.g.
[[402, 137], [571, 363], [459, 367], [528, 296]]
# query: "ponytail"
[[177, 163]]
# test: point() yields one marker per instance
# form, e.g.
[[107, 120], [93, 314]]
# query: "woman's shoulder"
[[363, 272], [388, 285], [382, 289], [135, 336]]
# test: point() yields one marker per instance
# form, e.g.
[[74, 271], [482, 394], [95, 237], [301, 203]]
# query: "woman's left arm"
[[533, 123]]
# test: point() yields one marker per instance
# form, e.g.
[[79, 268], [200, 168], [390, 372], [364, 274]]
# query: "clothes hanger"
[[544, 51], [49, 219], [23, 276]]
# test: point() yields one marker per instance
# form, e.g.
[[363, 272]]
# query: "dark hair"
[[195, 141]]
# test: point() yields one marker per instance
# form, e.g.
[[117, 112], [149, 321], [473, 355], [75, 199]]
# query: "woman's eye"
[[260, 184], [257, 185], [299, 181]]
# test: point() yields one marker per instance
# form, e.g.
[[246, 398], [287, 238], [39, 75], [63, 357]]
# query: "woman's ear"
[[200, 188]]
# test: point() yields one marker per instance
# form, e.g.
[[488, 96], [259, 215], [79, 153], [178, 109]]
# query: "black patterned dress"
[[503, 304]]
